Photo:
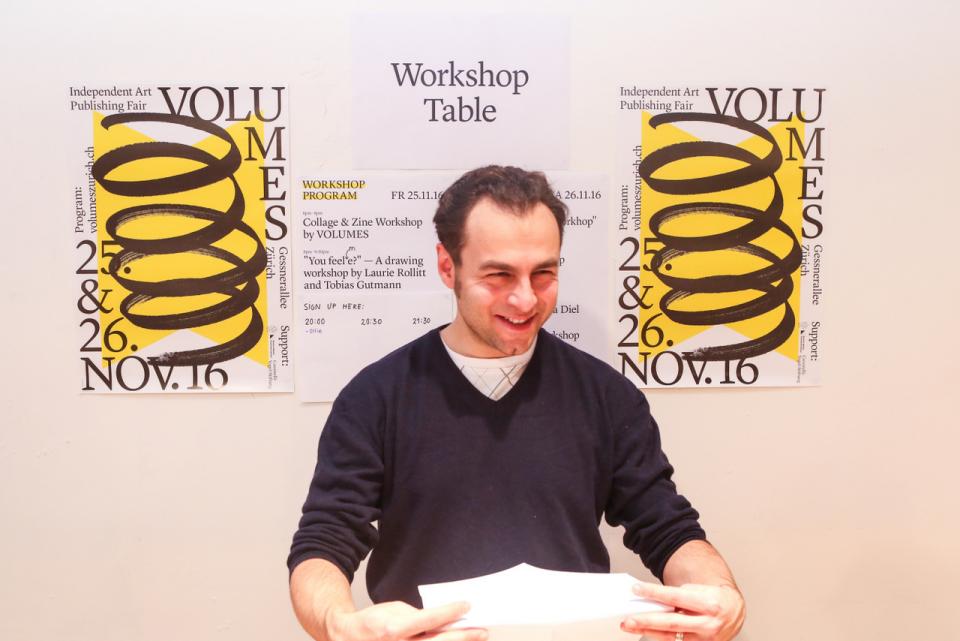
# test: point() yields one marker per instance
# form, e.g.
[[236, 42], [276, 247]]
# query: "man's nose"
[[523, 298]]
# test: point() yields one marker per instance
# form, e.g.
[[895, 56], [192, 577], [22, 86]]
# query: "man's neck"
[[495, 376], [459, 338]]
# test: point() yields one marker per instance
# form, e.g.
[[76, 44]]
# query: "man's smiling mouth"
[[517, 322]]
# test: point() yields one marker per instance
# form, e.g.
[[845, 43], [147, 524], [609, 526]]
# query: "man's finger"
[[431, 618], [653, 635], [629, 627], [668, 622], [466, 634], [682, 598]]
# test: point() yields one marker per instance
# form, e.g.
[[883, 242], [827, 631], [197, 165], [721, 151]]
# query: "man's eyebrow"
[[492, 264], [548, 264], [506, 267]]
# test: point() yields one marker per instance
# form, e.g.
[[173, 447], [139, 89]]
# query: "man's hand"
[[321, 598], [704, 613], [398, 621]]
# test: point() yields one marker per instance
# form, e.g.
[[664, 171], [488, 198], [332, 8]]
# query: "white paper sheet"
[[530, 604]]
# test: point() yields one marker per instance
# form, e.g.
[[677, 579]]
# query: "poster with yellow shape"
[[728, 209], [185, 285]]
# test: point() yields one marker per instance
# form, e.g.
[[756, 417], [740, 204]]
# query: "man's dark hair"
[[511, 188]]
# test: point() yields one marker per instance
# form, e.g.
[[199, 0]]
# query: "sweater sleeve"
[[643, 498], [344, 496]]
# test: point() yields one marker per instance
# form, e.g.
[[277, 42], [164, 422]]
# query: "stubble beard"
[[490, 339]]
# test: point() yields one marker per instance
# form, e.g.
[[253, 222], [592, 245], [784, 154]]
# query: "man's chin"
[[516, 345], [503, 339]]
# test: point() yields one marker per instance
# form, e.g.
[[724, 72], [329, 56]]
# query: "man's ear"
[[445, 266]]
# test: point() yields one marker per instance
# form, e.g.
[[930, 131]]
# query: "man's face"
[[506, 283]]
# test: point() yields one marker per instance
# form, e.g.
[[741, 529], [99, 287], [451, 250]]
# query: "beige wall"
[[149, 518]]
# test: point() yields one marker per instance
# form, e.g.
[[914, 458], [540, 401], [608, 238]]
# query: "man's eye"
[[543, 278]]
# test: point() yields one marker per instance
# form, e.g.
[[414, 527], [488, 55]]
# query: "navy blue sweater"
[[462, 485]]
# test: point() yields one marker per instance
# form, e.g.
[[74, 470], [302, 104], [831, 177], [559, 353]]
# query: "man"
[[468, 474]]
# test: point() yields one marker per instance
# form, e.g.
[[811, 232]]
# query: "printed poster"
[[181, 238], [432, 95], [722, 235], [366, 265]]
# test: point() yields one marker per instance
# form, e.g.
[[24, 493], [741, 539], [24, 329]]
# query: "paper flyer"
[[722, 234], [526, 602], [181, 243], [367, 269]]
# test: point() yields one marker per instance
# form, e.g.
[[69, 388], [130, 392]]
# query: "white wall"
[[158, 518]]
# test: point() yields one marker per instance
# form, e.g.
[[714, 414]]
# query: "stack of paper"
[[531, 604]]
